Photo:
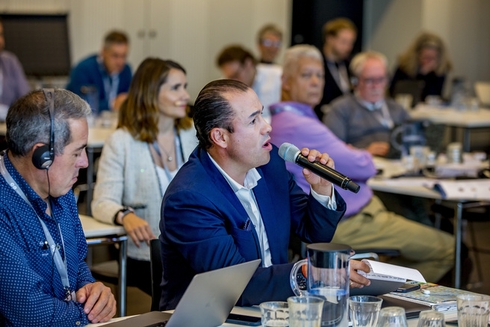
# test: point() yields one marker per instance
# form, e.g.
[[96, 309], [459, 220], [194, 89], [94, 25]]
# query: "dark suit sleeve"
[[316, 223], [207, 240]]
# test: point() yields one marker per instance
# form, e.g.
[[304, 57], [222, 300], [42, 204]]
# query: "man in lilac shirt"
[[366, 223]]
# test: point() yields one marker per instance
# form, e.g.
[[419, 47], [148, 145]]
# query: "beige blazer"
[[127, 176]]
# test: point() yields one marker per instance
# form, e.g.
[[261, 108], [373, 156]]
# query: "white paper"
[[381, 268], [464, 189]]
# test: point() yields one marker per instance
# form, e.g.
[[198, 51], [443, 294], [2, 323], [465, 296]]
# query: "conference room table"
[[467, 120], [98, 233], [255, 311], [96, 139], [421, 187]]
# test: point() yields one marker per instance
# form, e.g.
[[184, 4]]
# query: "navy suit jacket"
[[204, 227]]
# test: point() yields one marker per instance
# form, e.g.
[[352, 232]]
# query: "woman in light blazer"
[[153, 140]]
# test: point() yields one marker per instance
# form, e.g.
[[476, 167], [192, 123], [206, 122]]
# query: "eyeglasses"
[[270, 43], [373, 80]]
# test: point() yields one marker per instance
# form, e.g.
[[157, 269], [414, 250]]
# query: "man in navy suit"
[[234, 200]]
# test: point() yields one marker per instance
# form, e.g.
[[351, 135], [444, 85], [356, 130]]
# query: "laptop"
[[206, 302]]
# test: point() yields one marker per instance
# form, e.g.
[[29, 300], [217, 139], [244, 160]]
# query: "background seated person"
[[366, 118], [366, 223], [13, 80], [234, 201], [425, 60], [107, 72], [269, 39], [153, 140], [239, 64], [339, 36], [41, 237]]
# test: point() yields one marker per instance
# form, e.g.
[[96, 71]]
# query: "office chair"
[[156, 273]]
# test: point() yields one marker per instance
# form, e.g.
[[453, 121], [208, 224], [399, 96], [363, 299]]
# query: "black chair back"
[[156, 274]]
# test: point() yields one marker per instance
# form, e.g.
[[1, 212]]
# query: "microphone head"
[[288, 152]]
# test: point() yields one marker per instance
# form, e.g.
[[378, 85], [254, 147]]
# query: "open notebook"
[[206, 303]]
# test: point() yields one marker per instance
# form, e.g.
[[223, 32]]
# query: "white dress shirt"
[[247, 198]]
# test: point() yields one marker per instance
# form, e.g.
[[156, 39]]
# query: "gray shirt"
[[355, 124]]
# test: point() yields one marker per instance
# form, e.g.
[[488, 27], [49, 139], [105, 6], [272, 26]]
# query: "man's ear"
[[219, 137]]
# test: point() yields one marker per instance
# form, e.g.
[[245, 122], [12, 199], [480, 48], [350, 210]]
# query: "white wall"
[[390, 25], [191, 32]]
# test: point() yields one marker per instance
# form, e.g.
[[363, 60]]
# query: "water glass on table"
[[274, 313], [364, 310], [431, 318], [473, 310], [392, 317], [305, 311]]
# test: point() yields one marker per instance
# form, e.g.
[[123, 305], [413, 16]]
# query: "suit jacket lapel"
[[268, 212]]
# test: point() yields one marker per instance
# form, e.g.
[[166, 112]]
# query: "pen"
[[246, 226]]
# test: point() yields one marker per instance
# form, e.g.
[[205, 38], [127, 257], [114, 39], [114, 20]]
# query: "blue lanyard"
[[61, 265]]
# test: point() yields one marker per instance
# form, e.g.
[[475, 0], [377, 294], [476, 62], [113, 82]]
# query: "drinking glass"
[[364, 310], [431, 318], [473, 310], [274, 313], [392, 317], [305, 311]]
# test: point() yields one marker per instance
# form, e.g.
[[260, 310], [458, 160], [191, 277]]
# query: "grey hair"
[[28, 120], [357, 63], [294, 53]]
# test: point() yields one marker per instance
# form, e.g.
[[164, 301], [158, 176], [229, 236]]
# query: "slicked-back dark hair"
[[212, 109]]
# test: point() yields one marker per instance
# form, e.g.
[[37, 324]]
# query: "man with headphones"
[[44, 280]]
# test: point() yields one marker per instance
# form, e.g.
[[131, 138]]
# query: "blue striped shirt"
[[31, 292]]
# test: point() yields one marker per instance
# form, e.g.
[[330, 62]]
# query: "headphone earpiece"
[[354, 80], [43, 156]]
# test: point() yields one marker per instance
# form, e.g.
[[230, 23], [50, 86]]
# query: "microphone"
[[291, 153]]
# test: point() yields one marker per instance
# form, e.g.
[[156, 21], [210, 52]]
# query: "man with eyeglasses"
[[269, 40], [236, 62], [366, 118]]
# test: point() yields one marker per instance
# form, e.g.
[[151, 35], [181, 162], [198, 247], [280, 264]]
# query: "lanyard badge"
[[70, 295]]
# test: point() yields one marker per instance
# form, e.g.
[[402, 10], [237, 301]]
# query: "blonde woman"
[[427, 60]]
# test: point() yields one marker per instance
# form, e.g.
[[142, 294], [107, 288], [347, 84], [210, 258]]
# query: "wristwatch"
[[125, 211]]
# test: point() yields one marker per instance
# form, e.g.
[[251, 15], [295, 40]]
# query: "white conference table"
[[451, 117], [98, 233], [414, 186], [96, 140]]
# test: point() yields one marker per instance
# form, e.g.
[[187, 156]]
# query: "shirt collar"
[[103, 69], [39, 204], [369, 105], [299, 108], [251, 178]]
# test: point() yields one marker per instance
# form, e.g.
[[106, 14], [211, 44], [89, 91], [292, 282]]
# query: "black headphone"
[[43, 157]]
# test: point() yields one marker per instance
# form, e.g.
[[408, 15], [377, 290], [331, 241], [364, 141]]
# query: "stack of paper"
[[477, 190]]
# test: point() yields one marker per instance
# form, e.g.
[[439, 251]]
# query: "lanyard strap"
[[61, 265], [180, 156]]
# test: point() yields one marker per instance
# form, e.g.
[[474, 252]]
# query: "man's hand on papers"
[[356, 280]]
